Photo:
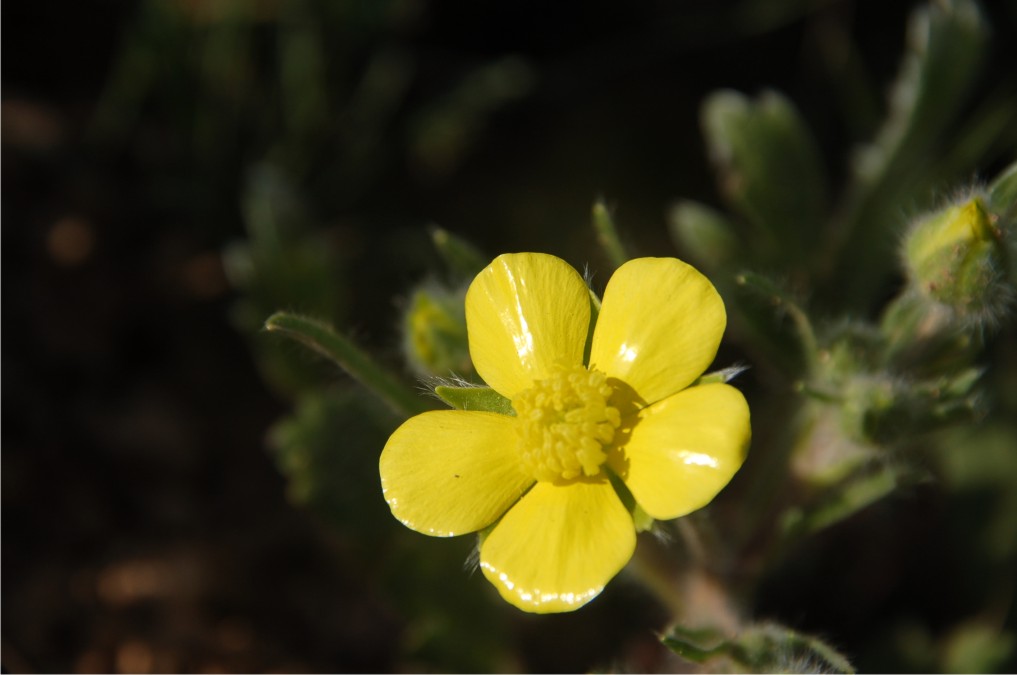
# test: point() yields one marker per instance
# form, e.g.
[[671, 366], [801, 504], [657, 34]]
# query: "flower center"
[[564, 424]]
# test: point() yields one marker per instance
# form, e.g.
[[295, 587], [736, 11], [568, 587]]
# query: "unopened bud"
[[434, 330], [955, 257]]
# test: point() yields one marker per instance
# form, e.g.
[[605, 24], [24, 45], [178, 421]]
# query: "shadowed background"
[[175, 171]]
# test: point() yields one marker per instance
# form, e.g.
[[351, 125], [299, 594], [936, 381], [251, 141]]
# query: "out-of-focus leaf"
[[946, 43], [284, 262], [1003, 193], [706, 235], [782, 302], [463, 259], [444, 133], [978, 647], [607, 234], [771, 172], [862, 488], [760, 648], [328, 451], [695, 644], [980, 479]]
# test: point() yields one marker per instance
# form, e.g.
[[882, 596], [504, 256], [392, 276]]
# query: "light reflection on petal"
[[683, 450], [525, 313], [523, 339], [558, 546], [692, 458], [659, 326], [626, 353]]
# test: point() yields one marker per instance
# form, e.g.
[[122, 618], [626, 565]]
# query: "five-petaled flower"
[[549, 485]]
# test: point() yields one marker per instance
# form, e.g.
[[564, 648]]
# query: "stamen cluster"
[[565, 422]]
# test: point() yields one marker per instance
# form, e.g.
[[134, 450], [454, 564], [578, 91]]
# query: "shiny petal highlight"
[[525, 312], [659, 327], [450, 472], [683, 450], [555, 550]]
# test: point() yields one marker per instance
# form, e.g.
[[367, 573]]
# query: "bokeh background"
[[176, 170]]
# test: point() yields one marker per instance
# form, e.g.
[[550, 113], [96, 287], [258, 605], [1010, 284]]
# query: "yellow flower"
[[545, 481]]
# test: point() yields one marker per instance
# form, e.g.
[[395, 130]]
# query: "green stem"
[[659, 581], [322, 339]]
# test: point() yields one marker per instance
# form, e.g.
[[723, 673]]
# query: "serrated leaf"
[[482, 399]]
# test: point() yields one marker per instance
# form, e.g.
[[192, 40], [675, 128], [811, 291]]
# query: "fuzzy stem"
[[322, 339]]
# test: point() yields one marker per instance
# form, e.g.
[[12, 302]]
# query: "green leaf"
[[770, 170], [607, 234], [783, 302], [444, 132], [722, 376], [328, 451], [856, 492], [1003, 193], [475, 398], [463, 259], [285, 261], [946, 44], [760, 648], [696, 645], [343, 352], [705, 235]]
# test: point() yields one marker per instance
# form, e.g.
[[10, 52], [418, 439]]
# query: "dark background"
[[145, 525]]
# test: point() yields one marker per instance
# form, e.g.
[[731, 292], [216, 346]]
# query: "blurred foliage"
[[279, 125], [863, 397]]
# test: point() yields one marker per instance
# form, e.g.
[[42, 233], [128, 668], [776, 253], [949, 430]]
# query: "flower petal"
[[683, 450], [450, 472], [660, 324], [556, 549], [525, 312]]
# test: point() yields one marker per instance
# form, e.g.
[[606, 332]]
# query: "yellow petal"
[[556, 549], [525, 312], [683, 450], [660, 324], [451, 472]]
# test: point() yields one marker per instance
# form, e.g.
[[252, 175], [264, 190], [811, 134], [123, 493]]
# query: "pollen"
[[565, 421]]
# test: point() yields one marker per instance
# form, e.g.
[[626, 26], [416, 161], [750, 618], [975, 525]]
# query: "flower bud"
[[434, 332], [955, 257]]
